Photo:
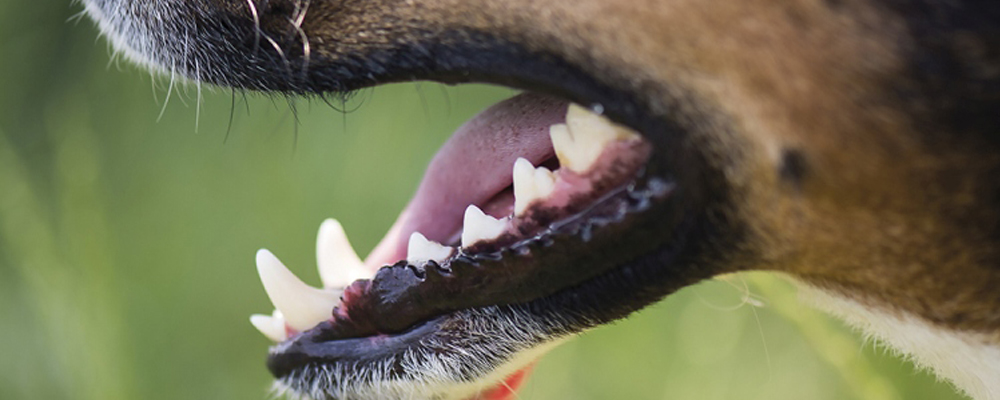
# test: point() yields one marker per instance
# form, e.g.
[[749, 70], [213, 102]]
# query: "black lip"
[[611, 229], [314, 347]]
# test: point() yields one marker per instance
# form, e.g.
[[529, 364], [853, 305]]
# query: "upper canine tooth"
[[421, 250], [530, 184], [585, 122], [562, 143], [338, 264], [479, 227], [272, 326], [302, 305], [583, 137]]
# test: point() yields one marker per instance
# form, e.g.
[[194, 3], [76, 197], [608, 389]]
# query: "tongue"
[[474, 167]]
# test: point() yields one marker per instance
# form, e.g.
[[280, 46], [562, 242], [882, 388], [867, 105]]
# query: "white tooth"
[[421, 250], [545, 181], [530, 184], [302, 305], [272, 326], [479, 227], [585, 122], [338, 264], [583, 137], [562, 143]]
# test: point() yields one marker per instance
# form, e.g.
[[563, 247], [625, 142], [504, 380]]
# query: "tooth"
[[338, 264], [272, 326], [583, 137], [530, 184], [421, 250], [562, 143], [479, 227], [585, 122], [302, 305]]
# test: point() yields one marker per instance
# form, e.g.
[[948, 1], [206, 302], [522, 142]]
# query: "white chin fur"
[[970, 361], [436, 383], [112, 25]]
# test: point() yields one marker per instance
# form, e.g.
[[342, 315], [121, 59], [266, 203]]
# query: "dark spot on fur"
[[792, 169]]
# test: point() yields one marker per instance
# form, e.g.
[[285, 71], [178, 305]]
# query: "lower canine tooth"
[[338, 264], [530, 184], [272, 326], [421, 250], [302, 305], [479, 227]]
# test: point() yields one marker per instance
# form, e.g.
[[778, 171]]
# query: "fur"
[[969, 360], [850, 144]]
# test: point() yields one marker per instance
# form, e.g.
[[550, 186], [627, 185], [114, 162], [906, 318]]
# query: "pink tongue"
[[474, 167]]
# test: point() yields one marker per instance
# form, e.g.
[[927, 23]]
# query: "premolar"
[[420, 250], [478, 226], [530, 184]]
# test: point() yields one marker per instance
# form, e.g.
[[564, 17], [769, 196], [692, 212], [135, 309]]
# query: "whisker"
[[76, 18], [256, 24], [305, 50], [281, 53], [301, 8], [232, 115], [197, 110], [170, 91]]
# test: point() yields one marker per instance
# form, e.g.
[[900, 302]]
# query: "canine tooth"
[[421, 250], [302, 305], [580, 120], [583, 137], [338, 264], [562, 143], [530, 184], [479, 227], [272, 326]]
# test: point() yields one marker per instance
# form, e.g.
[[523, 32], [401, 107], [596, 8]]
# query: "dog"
[[850, 145]]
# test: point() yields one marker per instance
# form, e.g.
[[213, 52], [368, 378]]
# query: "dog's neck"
[[971, 361]]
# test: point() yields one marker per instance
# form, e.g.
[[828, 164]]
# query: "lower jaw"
[[393, 293]]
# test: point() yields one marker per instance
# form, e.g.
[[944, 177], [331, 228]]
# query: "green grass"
[[127, 242]]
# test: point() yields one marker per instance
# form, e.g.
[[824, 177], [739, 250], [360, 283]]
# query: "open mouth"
[[539, 219], [525, 206]]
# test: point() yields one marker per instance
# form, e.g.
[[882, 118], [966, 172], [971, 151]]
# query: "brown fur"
[[876, 204], [853, 143]]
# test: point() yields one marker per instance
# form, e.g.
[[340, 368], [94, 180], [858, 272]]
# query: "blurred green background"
[[127, 241]]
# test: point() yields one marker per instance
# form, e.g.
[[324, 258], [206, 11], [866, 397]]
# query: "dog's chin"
[[481, 353], [537, 220]]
